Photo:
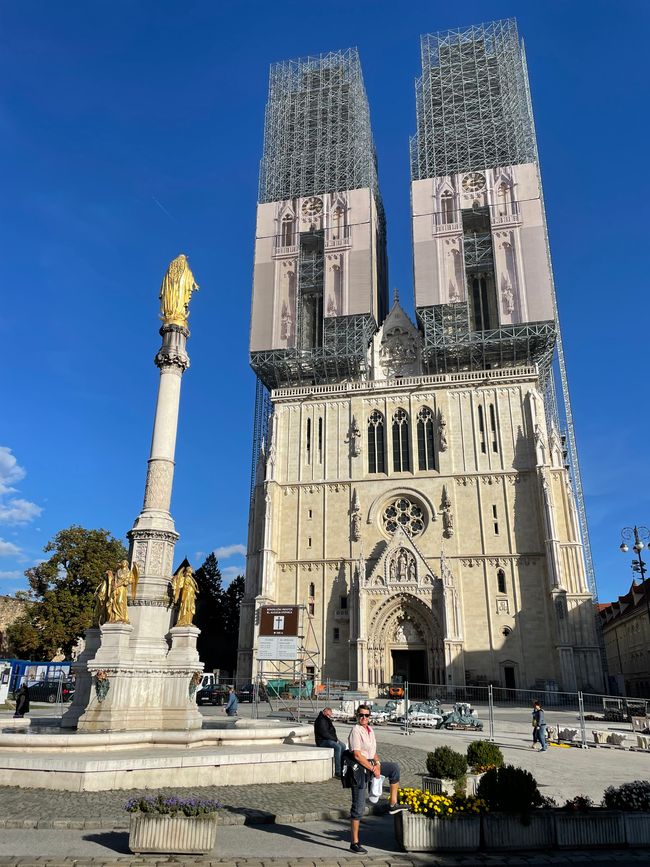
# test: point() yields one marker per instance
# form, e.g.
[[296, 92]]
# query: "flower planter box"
[[637, 829], [589, 830], [503, 831], [188, 835], [423, 834]]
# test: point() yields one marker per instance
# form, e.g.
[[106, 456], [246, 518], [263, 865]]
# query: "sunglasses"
[[363, 714]]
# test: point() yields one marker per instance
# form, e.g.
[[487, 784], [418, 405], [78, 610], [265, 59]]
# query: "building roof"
[[627, 605]]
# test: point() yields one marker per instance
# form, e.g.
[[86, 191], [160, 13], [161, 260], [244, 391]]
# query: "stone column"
[[148, 666]]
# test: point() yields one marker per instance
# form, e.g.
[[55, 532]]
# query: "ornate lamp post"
[[641, 537]]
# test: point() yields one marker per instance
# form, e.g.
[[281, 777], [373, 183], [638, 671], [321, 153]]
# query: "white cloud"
[[15, 510], [18, 511], [226, 551], [14, 573], [10, 471], [8, 549], [231, 572]]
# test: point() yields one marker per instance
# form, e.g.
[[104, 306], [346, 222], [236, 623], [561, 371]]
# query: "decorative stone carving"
[[353, 439], [503, 606], [447, 514], [355, 518], [102, 684], [168, 357], [158, 488], [442, 432], [406, 633], [156, 552]]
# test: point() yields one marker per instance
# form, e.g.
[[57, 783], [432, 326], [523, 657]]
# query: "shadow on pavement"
[[375, 834], [118, 841]]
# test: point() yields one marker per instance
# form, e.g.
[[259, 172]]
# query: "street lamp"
[[641, 537]]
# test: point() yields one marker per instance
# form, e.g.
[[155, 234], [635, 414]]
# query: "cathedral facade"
[[412, 493]]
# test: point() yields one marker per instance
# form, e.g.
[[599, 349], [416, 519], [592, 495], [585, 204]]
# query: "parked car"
[[48, 690], [213, 693], [246, 692]]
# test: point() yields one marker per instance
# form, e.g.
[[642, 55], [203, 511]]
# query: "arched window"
[[320, 440], [308, 441], [287, 231], [493, 429], [501, 581], [447, 208], [376, 462], [481, 428], [401, 452], [338, 223], [426, 453]]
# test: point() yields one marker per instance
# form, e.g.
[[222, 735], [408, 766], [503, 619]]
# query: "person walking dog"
[[363, 746], [539, 726], [325, 736]]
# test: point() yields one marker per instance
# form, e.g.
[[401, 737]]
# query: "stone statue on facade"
[[118, 585], [185, 592], [101, 595], [176, 291]]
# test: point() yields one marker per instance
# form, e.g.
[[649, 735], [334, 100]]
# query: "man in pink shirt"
[[362, 743]]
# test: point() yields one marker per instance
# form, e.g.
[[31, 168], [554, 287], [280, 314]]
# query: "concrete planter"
[[431, 784], [504, 831], [637, 829], [424, 834], [472, 784], [600, 828], [187, 835]]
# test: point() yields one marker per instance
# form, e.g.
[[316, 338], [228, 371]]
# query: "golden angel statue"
[[101, 596], [186, 590], [125, 579], [176, 291]]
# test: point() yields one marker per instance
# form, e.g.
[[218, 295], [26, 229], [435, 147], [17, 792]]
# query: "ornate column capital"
[[172, 352]]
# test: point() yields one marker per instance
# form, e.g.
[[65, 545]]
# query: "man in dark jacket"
[[325, 735]]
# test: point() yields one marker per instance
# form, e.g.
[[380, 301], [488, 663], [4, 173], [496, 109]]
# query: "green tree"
[[233, 596], [62, 588], [209, 612]]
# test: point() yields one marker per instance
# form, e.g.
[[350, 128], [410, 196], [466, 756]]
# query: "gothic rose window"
[[404, 513]]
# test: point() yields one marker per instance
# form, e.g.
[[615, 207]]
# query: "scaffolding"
[[317, 136], [474, 111], [473, 108]]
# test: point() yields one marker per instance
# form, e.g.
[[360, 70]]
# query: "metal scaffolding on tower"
[[474, 111]]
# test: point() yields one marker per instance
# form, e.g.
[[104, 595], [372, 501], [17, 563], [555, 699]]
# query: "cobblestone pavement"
[[286, 802]]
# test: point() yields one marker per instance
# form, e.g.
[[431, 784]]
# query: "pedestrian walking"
[[22, 701], [233, 702], [539, 727], [325, 736], [363, 746]]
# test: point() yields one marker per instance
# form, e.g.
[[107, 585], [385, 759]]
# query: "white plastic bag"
[[376, 788]]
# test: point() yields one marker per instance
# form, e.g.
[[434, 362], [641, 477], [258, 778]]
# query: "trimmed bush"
[[446, 763], [630, 797], [483, 755], [509, 790]]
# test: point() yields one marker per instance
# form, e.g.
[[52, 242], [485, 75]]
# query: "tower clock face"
[[312, 206], [474, 182]]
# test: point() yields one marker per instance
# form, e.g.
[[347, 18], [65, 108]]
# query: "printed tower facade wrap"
[[410, 489]]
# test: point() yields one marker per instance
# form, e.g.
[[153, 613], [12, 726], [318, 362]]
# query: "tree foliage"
[[62, 588], [217, 616]]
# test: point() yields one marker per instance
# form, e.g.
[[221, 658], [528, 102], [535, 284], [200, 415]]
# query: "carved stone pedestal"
[[138, 694]]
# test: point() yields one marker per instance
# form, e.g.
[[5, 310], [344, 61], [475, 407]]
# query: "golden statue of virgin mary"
[[176, 291]]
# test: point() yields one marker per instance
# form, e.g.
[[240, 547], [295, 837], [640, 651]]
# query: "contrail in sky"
[[163, 208]]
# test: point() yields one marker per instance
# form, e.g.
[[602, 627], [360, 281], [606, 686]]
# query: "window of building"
[[309, 541], [502, 199], [338, 226], [309, 514], [376, 460], [495, 518], [426, 453], [320, 440], [401, 451], [336, 633], [308, 443], [501, 581], [311, 608], [287, 231], [405, 513], [344, 603], [447, 207], [312, 589], [481, 429], [493, 429], [311, 672]]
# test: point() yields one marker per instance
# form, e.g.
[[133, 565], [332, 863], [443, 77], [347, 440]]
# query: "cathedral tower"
[[410, 489]]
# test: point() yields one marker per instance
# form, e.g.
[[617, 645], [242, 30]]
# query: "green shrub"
[[578, 804], [446, 763], [509, 790], [629, 797], [483, 755]]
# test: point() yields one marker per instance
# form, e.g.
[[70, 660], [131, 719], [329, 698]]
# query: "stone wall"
[[10, 610]]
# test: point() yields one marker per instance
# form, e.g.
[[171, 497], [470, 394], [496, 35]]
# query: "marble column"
[[148, 665]]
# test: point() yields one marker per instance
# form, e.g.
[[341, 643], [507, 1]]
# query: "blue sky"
[[132, 131]]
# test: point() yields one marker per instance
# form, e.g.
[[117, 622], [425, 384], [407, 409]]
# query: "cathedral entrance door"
[[411, 665]]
